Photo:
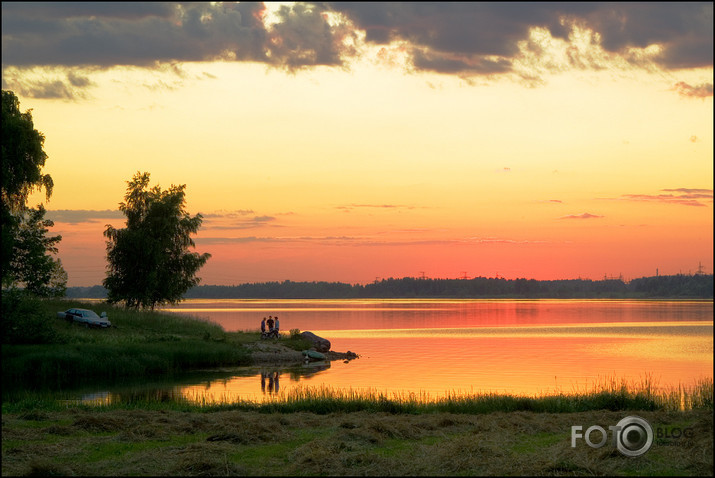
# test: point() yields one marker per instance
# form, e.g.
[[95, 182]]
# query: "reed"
[[609, 395]]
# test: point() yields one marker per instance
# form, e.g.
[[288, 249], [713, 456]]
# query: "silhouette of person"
[[263, 326], [277, 374], [270, 383], [270, 323], [276, 326]]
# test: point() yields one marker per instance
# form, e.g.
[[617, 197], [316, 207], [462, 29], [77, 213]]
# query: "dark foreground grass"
[[609, 395], [106, 441]]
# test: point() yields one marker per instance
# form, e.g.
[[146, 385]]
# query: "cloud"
[[77, 216], [144, 34], [585, 215], [350, 207], [236, 220], [683, 196], [702, 90], [450, 36], [138, 34], [465, 39], [229, 214], [688, 191], [484, 37], [48, 84], [302, 37]]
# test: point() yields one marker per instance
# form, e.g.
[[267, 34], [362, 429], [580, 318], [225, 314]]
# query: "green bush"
[[25, 321]]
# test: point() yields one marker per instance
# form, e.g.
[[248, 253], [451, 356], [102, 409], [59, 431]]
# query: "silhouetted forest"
[[699, 286]]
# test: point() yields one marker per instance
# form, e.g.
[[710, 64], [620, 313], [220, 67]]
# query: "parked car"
[[85, 316]]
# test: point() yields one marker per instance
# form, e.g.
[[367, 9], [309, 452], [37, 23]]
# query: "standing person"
[[277, 325], [263, 326], [270, 323]]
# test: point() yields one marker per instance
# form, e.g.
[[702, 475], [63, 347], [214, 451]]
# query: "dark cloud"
[[303, 37], [462, 38], [139, 34], [461, 28], [466, 33], [684, 30], [448, 63]]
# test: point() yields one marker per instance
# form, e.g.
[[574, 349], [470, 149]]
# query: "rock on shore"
[[271, 353], [321, 345]]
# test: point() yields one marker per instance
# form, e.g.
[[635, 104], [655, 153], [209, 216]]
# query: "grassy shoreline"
[[157, 344], [309, 431], [52, 353]]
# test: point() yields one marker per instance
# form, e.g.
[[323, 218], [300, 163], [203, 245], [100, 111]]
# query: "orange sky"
[[448, 154]]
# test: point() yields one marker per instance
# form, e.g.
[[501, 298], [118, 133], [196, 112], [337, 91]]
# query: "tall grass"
[[610, 395]]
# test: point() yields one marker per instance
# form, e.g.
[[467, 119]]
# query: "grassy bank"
[[311, 431], [149, 442], [40, 350]]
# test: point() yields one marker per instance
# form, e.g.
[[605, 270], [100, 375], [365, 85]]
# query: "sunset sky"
[[349, 142]]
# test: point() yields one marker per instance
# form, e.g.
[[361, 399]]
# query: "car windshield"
[[89, 313]]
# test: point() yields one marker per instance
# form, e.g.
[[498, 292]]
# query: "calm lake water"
[[436, 347]]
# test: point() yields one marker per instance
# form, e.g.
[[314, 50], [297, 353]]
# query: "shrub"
[[24, 320]]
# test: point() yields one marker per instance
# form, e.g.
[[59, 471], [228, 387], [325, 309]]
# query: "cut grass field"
[[107, 441]]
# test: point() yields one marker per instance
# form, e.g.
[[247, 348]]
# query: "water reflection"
[[244, 383], [273, 382], [270, 381], [441, 347]]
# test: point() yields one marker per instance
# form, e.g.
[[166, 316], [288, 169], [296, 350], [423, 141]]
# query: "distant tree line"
[[699, 286]]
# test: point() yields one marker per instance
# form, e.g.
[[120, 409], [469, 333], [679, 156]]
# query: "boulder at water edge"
[[320, 344]]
